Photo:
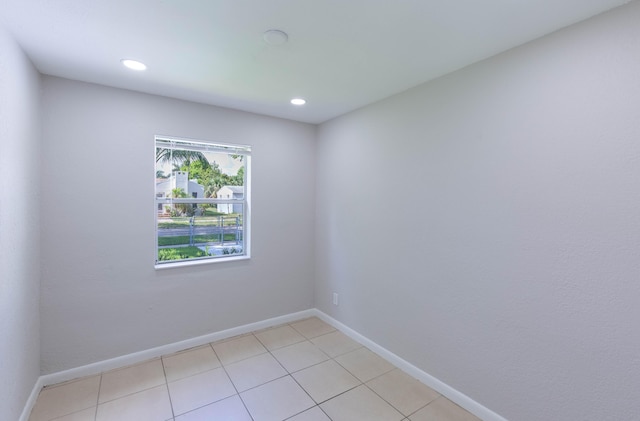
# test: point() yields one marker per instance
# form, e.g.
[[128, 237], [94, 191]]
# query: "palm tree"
[[181, 208], [211, 189], [178, 192], [180, 156]]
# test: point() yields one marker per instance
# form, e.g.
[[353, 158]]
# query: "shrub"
[[179, 253]]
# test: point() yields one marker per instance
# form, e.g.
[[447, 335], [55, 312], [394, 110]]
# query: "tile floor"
[[302, 371]]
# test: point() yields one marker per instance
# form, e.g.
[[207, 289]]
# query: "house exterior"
[[230, 192], [178, 180]]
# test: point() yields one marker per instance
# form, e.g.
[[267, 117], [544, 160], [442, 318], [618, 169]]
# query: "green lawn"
[[180, 253], [212, 212]]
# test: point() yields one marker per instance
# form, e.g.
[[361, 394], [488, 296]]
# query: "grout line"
[[166, 383], [313, 365], [262, 384], [348, 333], [392, 405], [242, 359], [389, 403], [137, 391], [302, 412], [191, 375], [323, 411], [270, 352], [208, 404], [132, 393], [341, 393], [305, 391], [95, 415], [290, 375], [360, 382], [422, 407], [231, 381], [223, 366], [382, 397]]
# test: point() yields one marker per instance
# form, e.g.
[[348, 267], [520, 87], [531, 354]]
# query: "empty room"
[[308, 210]]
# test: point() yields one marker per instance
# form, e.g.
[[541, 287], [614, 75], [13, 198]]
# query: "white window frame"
[[172, 142]]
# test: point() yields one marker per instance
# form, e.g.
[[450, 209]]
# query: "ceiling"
[[340, 55]]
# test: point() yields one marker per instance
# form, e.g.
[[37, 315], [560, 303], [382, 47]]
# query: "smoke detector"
[[275, 37]]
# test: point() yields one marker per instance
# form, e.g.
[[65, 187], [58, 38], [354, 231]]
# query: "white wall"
[[514, 273], [101, 297], [19, 227]]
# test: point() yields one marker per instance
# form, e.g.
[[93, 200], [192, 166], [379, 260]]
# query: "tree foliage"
[[208, 174], [180, 157], [180, 208], [212, 178]]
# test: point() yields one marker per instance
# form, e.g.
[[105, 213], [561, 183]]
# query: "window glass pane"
[[200, 229], [208, 233], [181, 173]]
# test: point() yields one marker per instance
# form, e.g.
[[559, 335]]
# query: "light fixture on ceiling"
[[133, 64], [275, 37], [298, 101]]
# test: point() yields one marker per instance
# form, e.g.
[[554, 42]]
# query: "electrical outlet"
[[335, 298]]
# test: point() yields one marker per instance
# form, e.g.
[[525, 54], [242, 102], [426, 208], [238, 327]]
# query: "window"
[[202, 199]]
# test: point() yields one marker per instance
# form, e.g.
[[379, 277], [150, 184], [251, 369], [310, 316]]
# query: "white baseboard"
[[138, 357], [32, 399], [98, 367], [444, 389]]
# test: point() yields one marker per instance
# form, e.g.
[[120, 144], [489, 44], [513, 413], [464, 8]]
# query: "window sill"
[[186, 263]]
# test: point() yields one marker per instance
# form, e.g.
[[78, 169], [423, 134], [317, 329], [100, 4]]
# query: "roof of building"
[[234, 189]]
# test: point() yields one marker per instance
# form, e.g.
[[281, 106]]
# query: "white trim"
[[28, 406], [91, 369], [172, 264], [439, 386], [172, 142], [137, 357], [246, 210]]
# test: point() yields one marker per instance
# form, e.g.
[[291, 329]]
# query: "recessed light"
[[133, 64], [298, 101]]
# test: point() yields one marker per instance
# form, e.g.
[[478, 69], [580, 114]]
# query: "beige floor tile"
[[231, 338], [276, 400], [278, 337], [360, 404], [313, 414], [442, 409], [269, 328], [335, 343], [402, 391], [255, 371], [229, 409], [325, 380], [148, 405], [125, 381], [66, 398], [238, 349], [190, 362], [199, 390], [312, 327], [298, 356], [364, 364], [85, 415]]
